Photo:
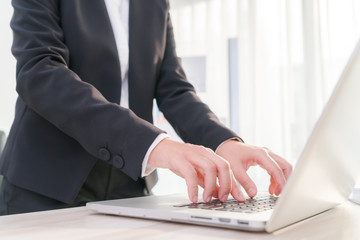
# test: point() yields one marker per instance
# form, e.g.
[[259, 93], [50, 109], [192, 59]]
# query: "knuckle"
[[277, 173], [209, 150], [260, 153], [188, 172], [224, 165], [196, 148], [192, 187], [210, 167], [200, 148], [226, 189], [191, 147], [247, 185], [191, 184], [267, 149], [191, 175]]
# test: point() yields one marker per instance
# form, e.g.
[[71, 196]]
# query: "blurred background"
[[265, 67]]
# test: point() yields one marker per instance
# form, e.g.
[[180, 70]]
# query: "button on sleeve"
[[118, 161], [104, 154]]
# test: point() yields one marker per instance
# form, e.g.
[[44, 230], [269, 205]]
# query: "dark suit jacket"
[[68, 81]]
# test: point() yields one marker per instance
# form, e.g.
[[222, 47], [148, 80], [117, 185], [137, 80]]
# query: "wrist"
[[157, 152], [225, 145]]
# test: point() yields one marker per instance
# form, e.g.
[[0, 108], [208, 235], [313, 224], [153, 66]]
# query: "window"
[[289, 57]]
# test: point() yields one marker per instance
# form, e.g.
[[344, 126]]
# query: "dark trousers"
[[103, 183]]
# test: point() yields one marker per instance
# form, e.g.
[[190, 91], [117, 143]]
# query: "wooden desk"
[[342, 222]]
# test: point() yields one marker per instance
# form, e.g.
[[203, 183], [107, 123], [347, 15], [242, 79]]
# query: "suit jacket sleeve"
[[176, 98], [47, 85]]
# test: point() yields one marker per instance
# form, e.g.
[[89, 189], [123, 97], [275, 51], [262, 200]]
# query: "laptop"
[[323, 178]]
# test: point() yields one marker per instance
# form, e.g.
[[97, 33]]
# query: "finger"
[[201, 183], [224, 175], [208, 170], [209, 178], [235, 191], [272, 186], [246, 182], [277, 191], [216, 193], [188, 172], [270, 165], [283, 164]]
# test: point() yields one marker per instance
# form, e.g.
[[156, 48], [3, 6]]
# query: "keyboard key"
[[252, 205]]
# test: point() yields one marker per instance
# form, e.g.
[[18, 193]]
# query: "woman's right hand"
[[199, 166]]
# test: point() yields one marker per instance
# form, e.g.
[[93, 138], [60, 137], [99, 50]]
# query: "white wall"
[[7, 69]]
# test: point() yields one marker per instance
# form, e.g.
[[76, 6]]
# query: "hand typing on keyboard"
[[242, 156], [219, 172], [252, 205]]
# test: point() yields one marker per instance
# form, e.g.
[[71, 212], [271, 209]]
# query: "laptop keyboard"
[[251, 205]]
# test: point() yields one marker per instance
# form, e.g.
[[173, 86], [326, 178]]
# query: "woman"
[[87, 74]]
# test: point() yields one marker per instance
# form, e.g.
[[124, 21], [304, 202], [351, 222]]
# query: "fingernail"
[[224, 198], [195, 199], [251, 192], [208, 199]]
